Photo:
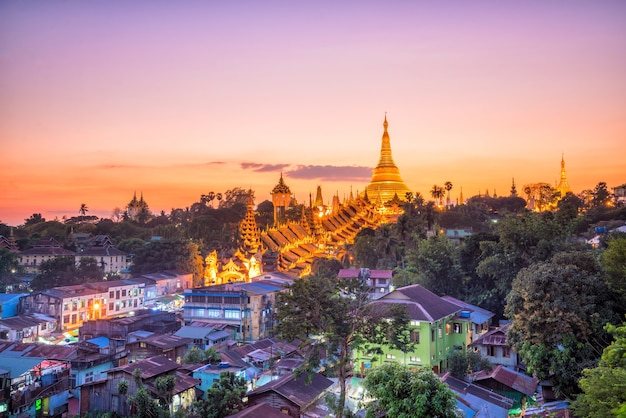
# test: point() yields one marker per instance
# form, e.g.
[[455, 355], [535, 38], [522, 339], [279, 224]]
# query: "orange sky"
[[100, 99]]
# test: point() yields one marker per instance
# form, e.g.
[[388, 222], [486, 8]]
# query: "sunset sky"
[[174, 99]]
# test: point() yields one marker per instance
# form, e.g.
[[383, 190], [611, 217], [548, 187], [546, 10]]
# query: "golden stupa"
[[386, 181]]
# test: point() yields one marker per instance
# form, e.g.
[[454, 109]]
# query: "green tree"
[[327, 315], [169, 255], [165, 386], [614, 263], [58, 271], [325, 266], [89, 270], [9, 265], [364, 251], [464, 362], [558, 309], [224, 398], [437, 192], [193, 356], [387, 246], [604, 387], [400, 392], [35, 218], [436, 261]]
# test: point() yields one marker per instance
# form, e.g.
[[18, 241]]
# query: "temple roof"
[[281, 187]]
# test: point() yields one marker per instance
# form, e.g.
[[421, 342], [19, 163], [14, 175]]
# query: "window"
[[232, 314], [458, 328], [117, 294], [66, 319], [440, 331], [111, 294], [88, 377], [214, 313], [123, 293], [415, 337], [142, 345], [135, 304], [66, 306], [506, 352], [491, 350], [414, 359], [74, 319], [432, 335], [200, 313], [111, 306], [415, 323], [390, 357]]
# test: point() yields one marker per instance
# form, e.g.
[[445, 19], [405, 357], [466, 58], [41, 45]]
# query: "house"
[[291, 395], [109, 258], [480, 318], [26, 328], [457, 236], [247, 307], [104, 395], [437, 327], [43, 250], [205, 337], [158, 322], [379, 281], [210, 373], [34, 379], [482, 402], [620, 194], [259, 410], [494, 347], [506, 381], [121, 297], [144, 344]]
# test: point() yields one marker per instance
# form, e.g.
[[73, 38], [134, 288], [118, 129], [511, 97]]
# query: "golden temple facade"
[[386, 181]]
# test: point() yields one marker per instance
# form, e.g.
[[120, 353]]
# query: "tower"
[[386, 181], [281, 198], [563, 188]]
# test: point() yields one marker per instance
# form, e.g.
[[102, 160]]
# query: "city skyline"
[[99, 100]]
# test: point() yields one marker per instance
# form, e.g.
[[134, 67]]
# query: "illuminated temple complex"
[[386, 184], [320, 231]]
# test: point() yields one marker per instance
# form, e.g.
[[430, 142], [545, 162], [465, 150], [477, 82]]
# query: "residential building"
[[145, 344], [109, 258], [494, 347], [34, 379], [504, 380], [620, 194], [437, 327], [104, 395], [379, 281], [248, 307], [158, 322], [210, 373], [293, 396], [43, 250], [26, 328], [205, 337], [73, 305], [477, 401], [480, 319]]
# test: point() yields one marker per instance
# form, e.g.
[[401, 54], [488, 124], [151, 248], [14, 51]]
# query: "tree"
[[464, 362], [448, 186], [35, 218], [224, 398], [436, 262], [614, 263], [9, 265], [387, 246], [400, 392], [165, 386], [600, 195], [327, 315], [604, 387], [437, 192], [325, 266], [557, 310], [83, 209], [169, 255], [58, 271], [364, 252]]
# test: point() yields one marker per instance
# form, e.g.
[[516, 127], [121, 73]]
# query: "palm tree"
[[419, 199], [437, 193], [448, 187], [83, 210]]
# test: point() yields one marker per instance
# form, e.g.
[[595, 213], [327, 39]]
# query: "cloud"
[[263, 168], [331, 172]]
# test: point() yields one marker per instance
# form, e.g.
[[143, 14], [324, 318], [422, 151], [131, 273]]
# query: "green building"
[[437, 327]]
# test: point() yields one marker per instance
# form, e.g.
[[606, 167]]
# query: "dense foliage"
[[400, 392]]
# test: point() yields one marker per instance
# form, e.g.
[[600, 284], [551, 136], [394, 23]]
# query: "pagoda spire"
[[386, 180], [513, 188], [563, 187]]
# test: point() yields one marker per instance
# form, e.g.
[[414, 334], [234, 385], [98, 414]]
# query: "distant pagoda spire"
[[386, 181], [513, 188], [461, 201], [563, 187]]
